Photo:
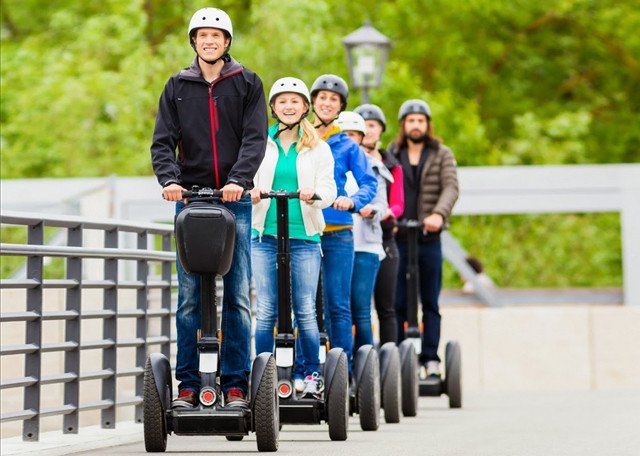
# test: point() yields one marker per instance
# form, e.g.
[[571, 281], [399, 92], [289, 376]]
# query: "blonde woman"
[[296, 160]]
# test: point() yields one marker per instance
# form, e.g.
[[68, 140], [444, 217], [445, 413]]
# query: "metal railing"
[[147, 278]]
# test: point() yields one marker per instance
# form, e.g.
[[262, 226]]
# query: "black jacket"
[[219, 129]]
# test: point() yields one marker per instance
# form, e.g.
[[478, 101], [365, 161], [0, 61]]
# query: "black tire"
[[453, 379], [391, 390], [265, 409], [409, 374], [337, 401], [368, 395], [234, 438], [155, 427]]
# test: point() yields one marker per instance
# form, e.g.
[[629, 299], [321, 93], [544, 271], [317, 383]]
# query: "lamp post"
[[367, 52]]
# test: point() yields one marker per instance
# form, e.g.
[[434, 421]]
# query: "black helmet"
[[414, 107], [372, 112], [332, 83]]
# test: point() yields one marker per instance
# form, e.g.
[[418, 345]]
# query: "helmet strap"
[[225, 57], [287, 126], [322, 122]]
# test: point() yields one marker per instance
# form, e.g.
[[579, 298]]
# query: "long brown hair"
[[401, 140]]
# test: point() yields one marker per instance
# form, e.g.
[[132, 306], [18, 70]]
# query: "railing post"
[[32, 361], [165, 325], [142, 303], [110, 332], [72, 332]]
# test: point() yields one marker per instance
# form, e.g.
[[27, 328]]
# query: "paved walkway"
[[491, 424]]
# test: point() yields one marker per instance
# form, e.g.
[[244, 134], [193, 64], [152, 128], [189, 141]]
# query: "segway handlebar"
[[205, 193], [373, 212], [409, 224], [289, 195]]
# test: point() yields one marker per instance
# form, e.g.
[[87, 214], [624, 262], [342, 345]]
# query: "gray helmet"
[[372, 112], [414, 107], [332, 83]]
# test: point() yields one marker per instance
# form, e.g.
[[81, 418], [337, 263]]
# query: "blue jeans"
[[365, 269], [430, 282], [235, 349], [305, 267], [337, 268]]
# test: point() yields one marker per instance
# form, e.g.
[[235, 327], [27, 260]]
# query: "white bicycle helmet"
[[210, 18], [351, 121], [289, 85]]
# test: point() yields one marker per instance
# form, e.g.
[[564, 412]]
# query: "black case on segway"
[[199, 250]]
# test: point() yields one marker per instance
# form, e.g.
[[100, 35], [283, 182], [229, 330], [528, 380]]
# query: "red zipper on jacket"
[[213, 121]]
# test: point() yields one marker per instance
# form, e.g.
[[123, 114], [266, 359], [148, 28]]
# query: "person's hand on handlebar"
[[342, 203], [366, 211], [173, 192], [255, 194], [306, 194], [231, 192], [433, 223]]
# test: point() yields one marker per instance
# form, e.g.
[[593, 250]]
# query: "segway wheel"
[[409, 375], [391, 389], [155, 428], [369, 393], [337, 399], [265, 409], [453, 379]]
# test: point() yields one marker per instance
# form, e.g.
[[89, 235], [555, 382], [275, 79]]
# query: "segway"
[[451, 383], [205, 235], [331, 406], [390, 392], [364, 392], [390, 382]]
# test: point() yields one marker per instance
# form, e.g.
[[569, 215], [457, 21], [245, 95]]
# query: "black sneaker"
[[186, 399]]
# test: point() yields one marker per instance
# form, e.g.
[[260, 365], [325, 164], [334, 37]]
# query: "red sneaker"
[[186, 399], [236, 398]]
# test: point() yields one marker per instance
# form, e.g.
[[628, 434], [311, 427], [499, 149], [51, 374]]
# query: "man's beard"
[[417, 138]]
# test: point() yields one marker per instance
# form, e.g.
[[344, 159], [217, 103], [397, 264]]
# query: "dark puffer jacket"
[[438, 180], [219, 128]]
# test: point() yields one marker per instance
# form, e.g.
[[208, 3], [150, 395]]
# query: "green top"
[[286, 178]]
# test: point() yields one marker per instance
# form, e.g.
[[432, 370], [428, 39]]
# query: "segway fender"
[[162, 376], [360, 360], [259, 366], [405, 348], [385, 356], [330, 365]]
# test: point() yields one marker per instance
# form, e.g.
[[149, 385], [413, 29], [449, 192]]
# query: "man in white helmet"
[[214, 113]]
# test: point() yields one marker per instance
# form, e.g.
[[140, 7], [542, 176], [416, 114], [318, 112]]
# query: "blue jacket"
[[348, 156]]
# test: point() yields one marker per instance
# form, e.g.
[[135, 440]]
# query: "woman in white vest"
[[296, 160]]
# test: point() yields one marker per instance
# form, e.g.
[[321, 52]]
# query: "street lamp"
[[367, 51]]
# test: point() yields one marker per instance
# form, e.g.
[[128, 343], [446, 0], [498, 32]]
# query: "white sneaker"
[[298, 385], [433, 369], [313, 385]]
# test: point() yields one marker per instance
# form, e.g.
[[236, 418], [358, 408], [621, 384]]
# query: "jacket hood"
[[380, 168]]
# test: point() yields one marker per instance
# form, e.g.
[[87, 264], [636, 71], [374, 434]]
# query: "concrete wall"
[[525, 348], [543, 348]]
